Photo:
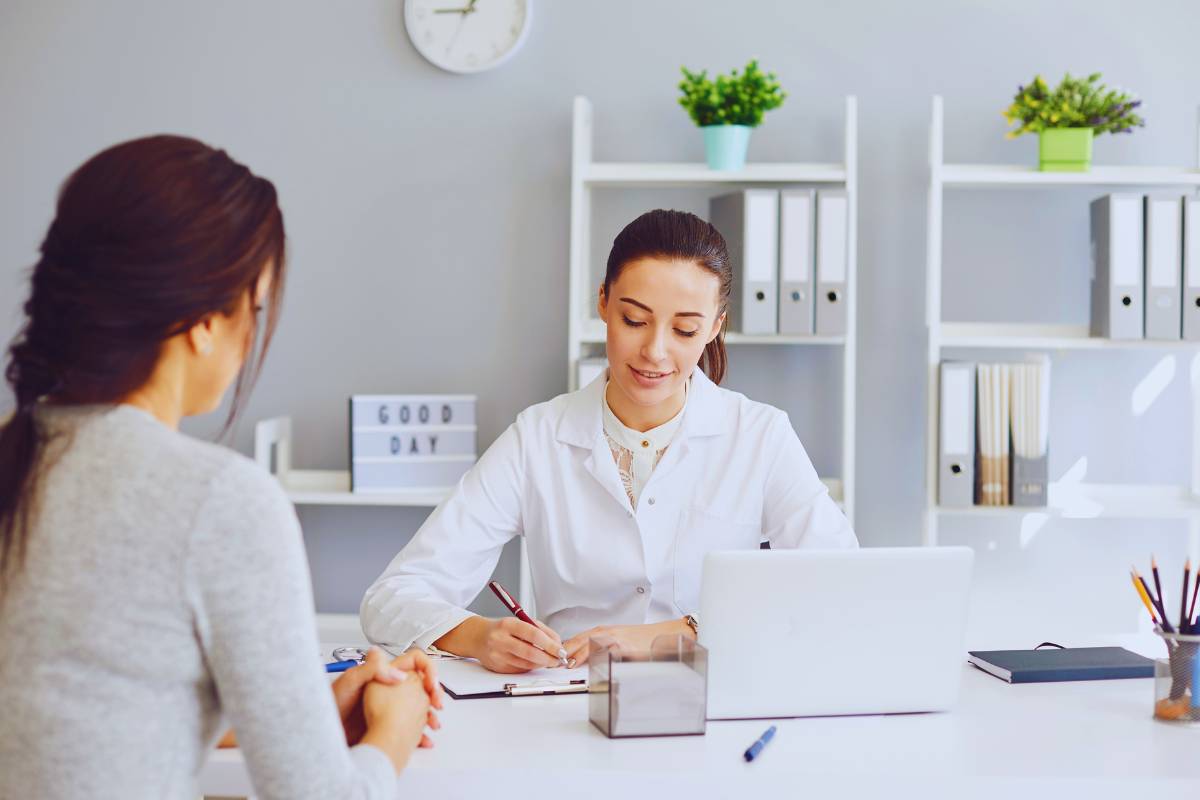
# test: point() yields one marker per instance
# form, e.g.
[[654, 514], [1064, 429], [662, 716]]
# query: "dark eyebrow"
[[646, 308]]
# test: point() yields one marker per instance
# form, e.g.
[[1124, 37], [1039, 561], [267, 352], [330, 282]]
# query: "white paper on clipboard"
[[466, 678]]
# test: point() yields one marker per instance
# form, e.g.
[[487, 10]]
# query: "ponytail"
[[20, 443], [714, 359]]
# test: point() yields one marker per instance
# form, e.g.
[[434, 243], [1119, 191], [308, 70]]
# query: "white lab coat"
[[734, 474]]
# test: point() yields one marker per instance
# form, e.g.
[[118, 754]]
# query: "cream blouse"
[[637, 453]]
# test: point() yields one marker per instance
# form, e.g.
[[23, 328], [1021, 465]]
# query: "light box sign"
[[410, 441]]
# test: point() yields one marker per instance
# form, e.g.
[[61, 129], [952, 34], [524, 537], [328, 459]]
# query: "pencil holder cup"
[[1177, 680], [662, 691]]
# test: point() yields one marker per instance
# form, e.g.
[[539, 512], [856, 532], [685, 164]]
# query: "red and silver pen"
[[518, 612]]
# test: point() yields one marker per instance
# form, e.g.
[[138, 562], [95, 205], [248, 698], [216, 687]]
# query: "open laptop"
[[793, 633]]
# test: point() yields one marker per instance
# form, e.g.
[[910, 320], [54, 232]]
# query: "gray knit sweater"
[[164, 596]]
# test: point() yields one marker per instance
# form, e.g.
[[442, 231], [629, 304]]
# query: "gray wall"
[[428, 220]]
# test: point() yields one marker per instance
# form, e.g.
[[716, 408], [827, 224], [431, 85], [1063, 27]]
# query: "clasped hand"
[[406, 684]]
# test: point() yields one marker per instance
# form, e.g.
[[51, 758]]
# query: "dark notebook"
[[1070, 664]]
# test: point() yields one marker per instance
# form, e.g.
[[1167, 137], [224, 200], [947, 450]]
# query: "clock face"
[[467, 35]]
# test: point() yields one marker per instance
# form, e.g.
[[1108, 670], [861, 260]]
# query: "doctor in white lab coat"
[[619, 488]]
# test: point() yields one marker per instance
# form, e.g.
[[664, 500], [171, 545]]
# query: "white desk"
[[1061, 740]]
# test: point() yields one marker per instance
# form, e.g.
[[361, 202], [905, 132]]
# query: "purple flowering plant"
[[1074, 103]]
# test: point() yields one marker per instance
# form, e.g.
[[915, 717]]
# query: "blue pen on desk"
[[756, 748], [340, 666]]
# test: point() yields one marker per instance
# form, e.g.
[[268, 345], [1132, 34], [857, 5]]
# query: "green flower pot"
[[725, 145], [1065, 150]]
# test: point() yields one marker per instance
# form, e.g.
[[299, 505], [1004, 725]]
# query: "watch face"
[[467, 35]]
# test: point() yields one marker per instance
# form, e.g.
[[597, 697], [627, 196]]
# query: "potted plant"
[[727, 107], [1068, 117]]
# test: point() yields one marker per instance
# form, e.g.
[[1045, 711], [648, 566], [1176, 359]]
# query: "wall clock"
[[466, 36]]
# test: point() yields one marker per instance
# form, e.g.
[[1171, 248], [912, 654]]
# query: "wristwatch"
[[693, 623]]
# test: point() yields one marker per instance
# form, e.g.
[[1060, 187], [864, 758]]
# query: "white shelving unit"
[[1066, 500], [318, 487], [586, 175]]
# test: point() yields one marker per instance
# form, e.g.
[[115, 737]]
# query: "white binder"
[[588, 369], [1191, 269], [1164, 259], [796, 253], [1117, 288], [749, 221], [832, 208], [956, 443]]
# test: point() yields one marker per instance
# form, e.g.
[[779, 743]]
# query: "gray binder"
[[1029, 481], [1191, 269], [956, 442], [1117, 288], [749, 221], [1164, 260], [1030, 410], [832, 208], [796, 253]]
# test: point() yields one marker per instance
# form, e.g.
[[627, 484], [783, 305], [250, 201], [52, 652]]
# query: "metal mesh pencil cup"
[[1177, 680]]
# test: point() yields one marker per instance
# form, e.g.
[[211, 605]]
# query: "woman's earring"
[[206, 350]]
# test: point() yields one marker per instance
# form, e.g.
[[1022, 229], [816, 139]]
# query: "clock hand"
[[457, 31], [469, 8]]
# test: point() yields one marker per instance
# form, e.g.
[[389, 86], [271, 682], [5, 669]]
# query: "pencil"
[[1185, 623], [1157, 587], [1141, 590], [1192, 609], [1166, 626]]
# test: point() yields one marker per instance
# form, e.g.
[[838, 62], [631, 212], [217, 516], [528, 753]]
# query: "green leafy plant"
[[1074, 103], [731, 99]]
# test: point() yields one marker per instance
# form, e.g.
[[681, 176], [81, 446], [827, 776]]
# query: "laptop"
[[797, 633]]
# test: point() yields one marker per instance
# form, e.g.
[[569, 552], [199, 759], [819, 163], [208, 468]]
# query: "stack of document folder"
[[994, 433], [1145, 267], [789, 251]]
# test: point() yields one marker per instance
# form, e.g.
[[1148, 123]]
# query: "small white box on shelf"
[[410, 441]]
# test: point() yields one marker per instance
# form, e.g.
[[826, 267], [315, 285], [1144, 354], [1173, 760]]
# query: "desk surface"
[[1059, 739]]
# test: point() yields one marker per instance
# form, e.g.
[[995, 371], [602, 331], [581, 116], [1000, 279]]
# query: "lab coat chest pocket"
[[702, 530]]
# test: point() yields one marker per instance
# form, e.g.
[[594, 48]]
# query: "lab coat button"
[[641, 589], [650, 500]]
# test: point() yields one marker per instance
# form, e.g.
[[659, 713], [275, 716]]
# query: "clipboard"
[[467, 679]]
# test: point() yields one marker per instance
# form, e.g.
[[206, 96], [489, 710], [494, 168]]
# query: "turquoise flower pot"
[[725, 146]]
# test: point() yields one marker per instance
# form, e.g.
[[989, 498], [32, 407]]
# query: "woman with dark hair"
[[619, 488], [152, 584]]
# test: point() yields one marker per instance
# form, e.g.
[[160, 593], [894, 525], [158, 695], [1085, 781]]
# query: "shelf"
[[1006, 175], [594, 333], [1100, 501], [1043, 337], [314, 487], [685, 174], [306, 487]]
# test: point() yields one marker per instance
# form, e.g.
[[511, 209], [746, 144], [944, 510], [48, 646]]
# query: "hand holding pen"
[[519, 643]]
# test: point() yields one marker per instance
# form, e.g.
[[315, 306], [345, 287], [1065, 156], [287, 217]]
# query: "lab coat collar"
[[583, 421]]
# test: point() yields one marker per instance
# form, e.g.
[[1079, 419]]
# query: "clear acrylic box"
[[660, 692]]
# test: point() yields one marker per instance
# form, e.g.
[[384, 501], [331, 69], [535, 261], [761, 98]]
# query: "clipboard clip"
[[545, 687]]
